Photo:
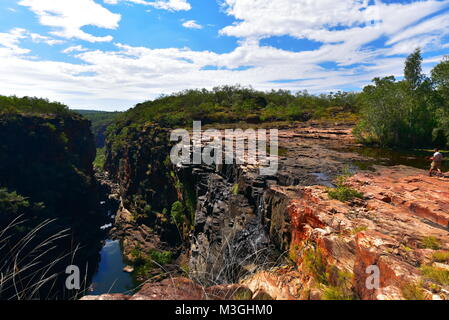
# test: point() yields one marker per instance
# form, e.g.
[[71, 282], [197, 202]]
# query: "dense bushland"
[[229, 104], [412, 112], [32, 105]]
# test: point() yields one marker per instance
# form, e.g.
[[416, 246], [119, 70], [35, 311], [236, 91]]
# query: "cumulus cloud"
[[345, 30], [311, 19], [343, 27], [38, 38], [68, 17], [121, 78], [192, 24]]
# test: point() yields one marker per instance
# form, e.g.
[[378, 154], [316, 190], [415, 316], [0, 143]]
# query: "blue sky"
[[112, 54]]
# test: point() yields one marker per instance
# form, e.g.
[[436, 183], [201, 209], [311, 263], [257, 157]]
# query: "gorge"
[[235, 234], [195, 232]]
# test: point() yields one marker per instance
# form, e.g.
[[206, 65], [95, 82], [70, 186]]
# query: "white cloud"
[[126, 75], [9, 41], [318, 20], [121, 78], [170, 5], [192, 24], [68, 17], [438, 25], [37, 38], [71, 49]]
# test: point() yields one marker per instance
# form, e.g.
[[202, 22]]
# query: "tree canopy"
[[412, 112], [15, 104]]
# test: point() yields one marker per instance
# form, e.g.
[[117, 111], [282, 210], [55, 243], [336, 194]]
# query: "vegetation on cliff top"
[[230, 104], [32, 105]]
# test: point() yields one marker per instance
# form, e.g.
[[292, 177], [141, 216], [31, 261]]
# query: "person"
[[437, 159]]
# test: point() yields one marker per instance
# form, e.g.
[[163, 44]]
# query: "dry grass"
[[237, 262], [28, 265]]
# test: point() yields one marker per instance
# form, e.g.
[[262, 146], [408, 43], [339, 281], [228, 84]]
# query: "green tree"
[[409, 112], [413, 74], [440, 77], [383, 106], [440, 81]]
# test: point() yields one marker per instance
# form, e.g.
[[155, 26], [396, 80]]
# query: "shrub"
[[235, 189], [430, 243], [438, 275], [441, 256], [413, 291], [337, 293], [146, 263], [344, 193], [100, 158], [316, 264], [359, 229], [161, 257], [340, 285], [177, 212]]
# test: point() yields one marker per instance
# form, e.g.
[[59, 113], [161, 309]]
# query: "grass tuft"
[[342, 191], [441, 256], [431, 243], [413, 291], [438, 275]]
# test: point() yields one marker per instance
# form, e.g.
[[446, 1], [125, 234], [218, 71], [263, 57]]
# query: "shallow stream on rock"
[[389, 157]]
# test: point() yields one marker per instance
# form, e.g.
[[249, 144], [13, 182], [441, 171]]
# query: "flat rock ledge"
[[400, 228]]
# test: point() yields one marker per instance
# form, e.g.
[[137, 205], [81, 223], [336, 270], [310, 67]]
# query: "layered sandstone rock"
[[390, 229]]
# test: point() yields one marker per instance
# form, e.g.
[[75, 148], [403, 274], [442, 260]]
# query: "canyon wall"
[[46, 174]]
